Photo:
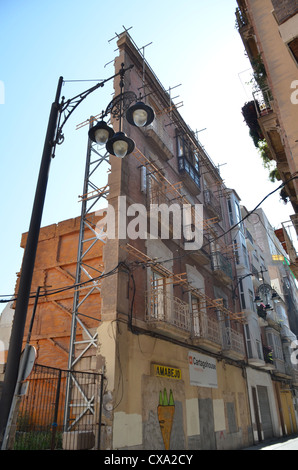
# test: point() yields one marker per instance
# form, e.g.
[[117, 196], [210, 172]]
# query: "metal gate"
[[39, 414]]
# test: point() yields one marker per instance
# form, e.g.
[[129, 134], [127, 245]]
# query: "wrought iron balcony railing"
[[163, 307], [212, 203], [206, 327], [241, 18], [221, 263], [263, 99], [233, 340]]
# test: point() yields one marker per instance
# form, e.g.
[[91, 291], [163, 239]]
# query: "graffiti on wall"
[[165, 412]]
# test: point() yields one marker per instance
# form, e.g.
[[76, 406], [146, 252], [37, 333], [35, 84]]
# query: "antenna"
[[118, 35], [143, 55]]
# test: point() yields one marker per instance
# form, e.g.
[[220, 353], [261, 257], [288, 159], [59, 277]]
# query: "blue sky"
[[194, 45]]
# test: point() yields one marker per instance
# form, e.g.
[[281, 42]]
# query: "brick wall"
[[55, 269]]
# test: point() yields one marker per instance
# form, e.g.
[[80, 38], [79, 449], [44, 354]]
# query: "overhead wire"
[[58, 290], [231, 228], [13, 298]]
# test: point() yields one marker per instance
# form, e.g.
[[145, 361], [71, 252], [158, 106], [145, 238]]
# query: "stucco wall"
[[204, 418], [282, 72]]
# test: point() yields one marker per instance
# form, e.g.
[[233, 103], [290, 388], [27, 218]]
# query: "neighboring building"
[[270, 334], [250, 267], [269, 31], [285, 309]]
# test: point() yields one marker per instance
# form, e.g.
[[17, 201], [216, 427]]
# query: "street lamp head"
[[140, 115], [120, 145], [101, 133]]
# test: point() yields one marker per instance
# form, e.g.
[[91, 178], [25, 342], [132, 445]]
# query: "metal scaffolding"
[[77, 396]]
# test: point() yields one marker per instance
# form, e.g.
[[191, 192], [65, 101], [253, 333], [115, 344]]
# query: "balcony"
[[287, 237], [189, 173], [202, 256], [241, 18], [249, 240], [263, 101], [221, 267], [233, 344], [206, 332], [160, 139], [167, 314], [268, 358], [292, 371], [212, 204], [279, 367]]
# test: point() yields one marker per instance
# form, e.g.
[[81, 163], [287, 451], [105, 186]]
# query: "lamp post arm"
[[71, 104]]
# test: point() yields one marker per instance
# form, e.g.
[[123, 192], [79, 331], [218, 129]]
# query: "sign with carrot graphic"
[[165, 412]]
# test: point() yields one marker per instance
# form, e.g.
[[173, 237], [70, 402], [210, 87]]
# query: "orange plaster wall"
[[55, 268]]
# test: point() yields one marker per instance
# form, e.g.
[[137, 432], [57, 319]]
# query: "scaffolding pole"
[[92, 194]]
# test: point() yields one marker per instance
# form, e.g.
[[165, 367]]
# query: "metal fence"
[[39, 422]]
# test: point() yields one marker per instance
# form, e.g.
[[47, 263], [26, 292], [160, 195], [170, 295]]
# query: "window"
[[259, 349], [252, 340], [242, 296], [245, 256], [248, 341], [188, 159], [157, 307], [230, 212], [293, 46], [275, 343], [238, 214], [251, 300], [195, 306]]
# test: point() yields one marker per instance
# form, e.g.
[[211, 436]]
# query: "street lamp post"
[[55, 136], [17, 332]]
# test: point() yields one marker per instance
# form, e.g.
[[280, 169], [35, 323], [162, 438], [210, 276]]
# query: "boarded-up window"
[[231, 414]]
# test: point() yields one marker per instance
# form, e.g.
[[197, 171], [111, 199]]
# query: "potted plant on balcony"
[[249, 112]]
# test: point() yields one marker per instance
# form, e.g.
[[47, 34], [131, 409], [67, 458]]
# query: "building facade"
[[270, 342], [176, 332], [173, 325], [269, 33]]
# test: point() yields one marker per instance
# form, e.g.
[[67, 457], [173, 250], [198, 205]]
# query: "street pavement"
[[283, 443]]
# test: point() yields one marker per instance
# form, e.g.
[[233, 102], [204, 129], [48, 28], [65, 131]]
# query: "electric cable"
[[63, 289], [234, 226], [148, 263]]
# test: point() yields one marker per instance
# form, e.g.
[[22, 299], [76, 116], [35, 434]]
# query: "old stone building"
[[154, 308]]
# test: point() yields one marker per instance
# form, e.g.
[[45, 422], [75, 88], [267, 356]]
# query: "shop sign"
[[167, 372], [202, 370]]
